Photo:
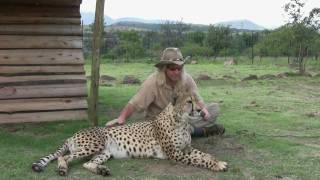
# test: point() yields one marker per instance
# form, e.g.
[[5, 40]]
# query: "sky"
[[266, 13]]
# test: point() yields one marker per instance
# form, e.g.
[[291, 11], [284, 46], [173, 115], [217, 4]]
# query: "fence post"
[[95, 66]]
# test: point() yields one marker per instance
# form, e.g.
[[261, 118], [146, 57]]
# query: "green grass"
[[269, 132]]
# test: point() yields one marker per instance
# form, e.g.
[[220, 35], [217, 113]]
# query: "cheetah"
[[166, 137]]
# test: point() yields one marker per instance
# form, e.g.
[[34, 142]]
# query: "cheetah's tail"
[[43, 162]]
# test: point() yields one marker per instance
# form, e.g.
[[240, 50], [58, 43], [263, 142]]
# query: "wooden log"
[[39, 11], [67, 30], [40, 70], [95, 69], [43, 116], [36, 80], [43, 91], [41, 57], [42, 104], [44, 42], [43, 2], [39, 20]]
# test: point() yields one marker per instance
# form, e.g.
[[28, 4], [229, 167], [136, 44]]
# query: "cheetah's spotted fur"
[[166, 137]]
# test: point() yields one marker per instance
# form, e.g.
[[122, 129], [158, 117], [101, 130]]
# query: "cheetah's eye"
[[189, 101]]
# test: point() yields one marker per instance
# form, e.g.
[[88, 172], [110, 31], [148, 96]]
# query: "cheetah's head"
[[181, 109]]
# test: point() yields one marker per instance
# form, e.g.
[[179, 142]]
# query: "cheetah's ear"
[[184, 98], [170, 107]]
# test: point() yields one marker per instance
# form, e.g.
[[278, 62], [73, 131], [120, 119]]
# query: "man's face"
[[173, 72]]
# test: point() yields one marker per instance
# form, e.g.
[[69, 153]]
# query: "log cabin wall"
[[42, 74]]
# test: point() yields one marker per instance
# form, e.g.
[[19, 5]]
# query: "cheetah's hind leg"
[[43, 162], [95, 164], [82, 152]]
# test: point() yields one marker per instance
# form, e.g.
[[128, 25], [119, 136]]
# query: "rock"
[[106, 84], [314, 114], [129, 79], [267, 77], [250, 77], [204, 77], [282, 75], [107, 78], [228, 77]]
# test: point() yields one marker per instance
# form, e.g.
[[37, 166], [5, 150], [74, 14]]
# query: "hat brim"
[[166, 62]]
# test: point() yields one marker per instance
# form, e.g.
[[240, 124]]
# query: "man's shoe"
[[216, 129]]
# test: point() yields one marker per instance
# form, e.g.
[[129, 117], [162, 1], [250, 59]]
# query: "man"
[[163, 87]]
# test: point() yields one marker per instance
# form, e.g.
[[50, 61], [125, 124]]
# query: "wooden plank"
[[36, 80], [67, 30], [43, 116], [42, 104], [41, 57], [39, 11], [43, 2], [39, 20], [40, 70], [45, 42], [43, 91]]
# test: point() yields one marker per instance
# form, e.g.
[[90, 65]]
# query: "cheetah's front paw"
[[103, 170]]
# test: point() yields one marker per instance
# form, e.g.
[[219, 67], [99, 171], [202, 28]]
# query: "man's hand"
[[115, 122], [205, 114]]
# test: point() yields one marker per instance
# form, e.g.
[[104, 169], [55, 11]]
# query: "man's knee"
[[201, 127]]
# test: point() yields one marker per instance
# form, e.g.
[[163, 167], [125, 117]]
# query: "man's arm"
[[126, 112], [194, 90], [138, 102], [203, 108]]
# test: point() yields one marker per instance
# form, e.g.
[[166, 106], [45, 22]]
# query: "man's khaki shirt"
[[153, 97]]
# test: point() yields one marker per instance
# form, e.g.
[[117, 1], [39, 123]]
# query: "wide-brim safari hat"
[[171, 55]]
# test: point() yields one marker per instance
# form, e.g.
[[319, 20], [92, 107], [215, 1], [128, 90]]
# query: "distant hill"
[[241, 24], [130, 19], [88, 18], [143, 24], [139, 26]]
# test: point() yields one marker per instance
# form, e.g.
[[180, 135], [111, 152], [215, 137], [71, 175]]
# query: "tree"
[[276, 43], [193, 49], [129, 46], [150, 39], [315, 47], [304, 29], [218, 39], [196, 37], [173, 33]]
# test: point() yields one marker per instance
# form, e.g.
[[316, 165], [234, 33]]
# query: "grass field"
[[272, 127]]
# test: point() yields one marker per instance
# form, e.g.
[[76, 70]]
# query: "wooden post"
[[95, 66], [252, 47]]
